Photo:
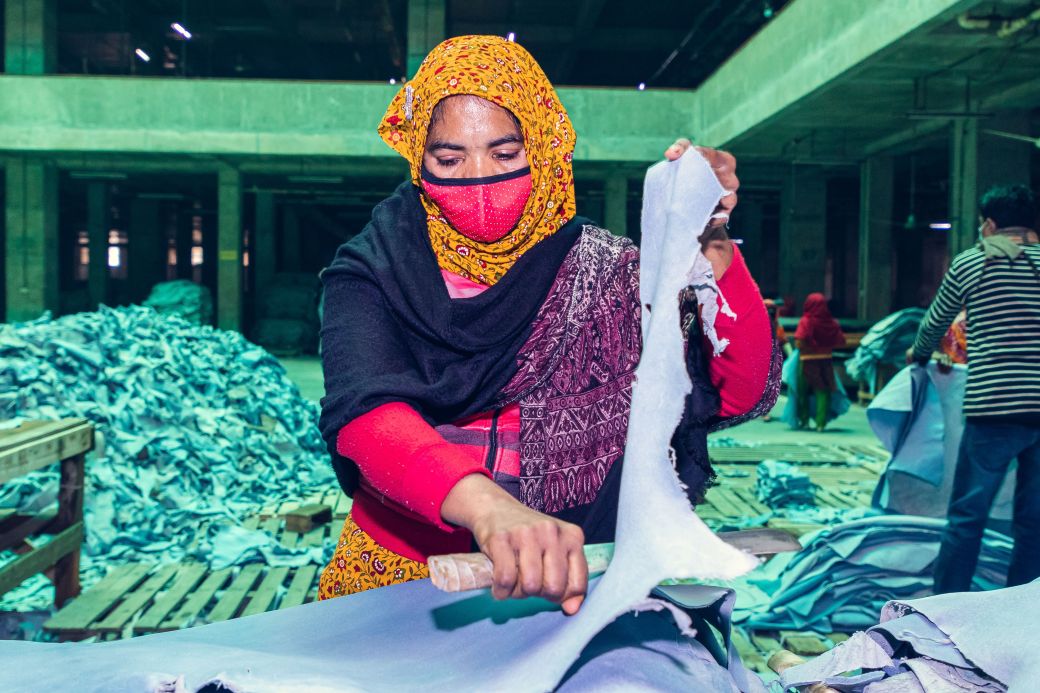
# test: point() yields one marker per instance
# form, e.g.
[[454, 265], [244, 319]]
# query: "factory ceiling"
[[979, 61], [672, 43]]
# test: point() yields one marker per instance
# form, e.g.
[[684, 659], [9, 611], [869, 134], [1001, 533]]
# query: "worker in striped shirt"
[[998, 282]]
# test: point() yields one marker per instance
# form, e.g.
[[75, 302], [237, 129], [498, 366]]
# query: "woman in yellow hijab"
[[500, 73], [480, 339]]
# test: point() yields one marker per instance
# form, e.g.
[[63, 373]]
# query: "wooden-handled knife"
[[461, 572]]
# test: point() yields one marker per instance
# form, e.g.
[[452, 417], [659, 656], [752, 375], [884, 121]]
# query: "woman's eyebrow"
[[508, 139], [440, 144]]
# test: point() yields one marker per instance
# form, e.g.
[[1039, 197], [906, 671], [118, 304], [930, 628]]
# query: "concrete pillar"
[[147, 248], [615, 204], [979, 160], [964, 192], [803, 233], [746, 226], [229, 249], [290, 245], [207, 275], [265, 242], [184, 241], [1004, 161], [31, 257], [99, 222], [30, 36], [875, 238], [426, 22]]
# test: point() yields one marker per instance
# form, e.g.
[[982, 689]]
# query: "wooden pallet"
[[136, 598], [733, 499], [25, 448], [334, 498]]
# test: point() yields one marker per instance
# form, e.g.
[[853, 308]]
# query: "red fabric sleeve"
[[406, 460], [741, 370]]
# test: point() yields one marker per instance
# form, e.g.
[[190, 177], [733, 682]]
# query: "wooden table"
[[30, 446]]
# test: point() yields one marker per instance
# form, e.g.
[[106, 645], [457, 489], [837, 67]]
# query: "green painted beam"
[[249, 119], [807, 46]]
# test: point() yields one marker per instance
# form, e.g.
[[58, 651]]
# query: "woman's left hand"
[[715, 243], [725, 167]]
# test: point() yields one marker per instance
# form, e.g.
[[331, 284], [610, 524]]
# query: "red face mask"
[[481, 209]]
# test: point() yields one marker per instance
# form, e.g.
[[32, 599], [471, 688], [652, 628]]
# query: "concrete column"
[[30, 36], [207, 275], [980, 160], [875, 238], [615, 204], [803, 233], [1003, 161], [31, 257], [229, 249], [184, 241], [147, 241], [99, 222], [290, 245], [964, 192], [746, 226], [426, 22], [265, 241]]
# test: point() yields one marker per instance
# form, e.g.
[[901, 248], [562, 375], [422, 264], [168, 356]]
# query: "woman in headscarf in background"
[[480, 339], [816, 338]]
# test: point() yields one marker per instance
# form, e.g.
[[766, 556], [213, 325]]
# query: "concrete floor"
[[851, 428], [305, 371]]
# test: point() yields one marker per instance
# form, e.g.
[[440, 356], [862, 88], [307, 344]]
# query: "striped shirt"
[[1002, 298]]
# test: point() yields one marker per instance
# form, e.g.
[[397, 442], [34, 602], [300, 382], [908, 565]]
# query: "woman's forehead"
[[466, 113]]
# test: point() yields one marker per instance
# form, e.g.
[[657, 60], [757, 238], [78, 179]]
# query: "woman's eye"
[[448, 163], [506, 156]]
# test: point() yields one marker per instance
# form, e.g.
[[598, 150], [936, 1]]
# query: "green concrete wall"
[[106, 115]]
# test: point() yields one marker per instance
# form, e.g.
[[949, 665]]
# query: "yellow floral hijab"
[[505, 74]]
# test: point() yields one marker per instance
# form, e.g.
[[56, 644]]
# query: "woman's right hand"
[[534, 555]]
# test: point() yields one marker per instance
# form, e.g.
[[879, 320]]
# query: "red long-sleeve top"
[[408, 468]]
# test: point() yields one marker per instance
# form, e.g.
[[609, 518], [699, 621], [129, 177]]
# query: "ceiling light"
[[393, 81], [179, 28], [940, 226], [642, 86], [142, 55], [511, 36]]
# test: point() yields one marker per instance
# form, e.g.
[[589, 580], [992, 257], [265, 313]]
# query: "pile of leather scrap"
[[844, 574], [919, 418], [885, 342], [779, 484], [182, 297], [199, 427], [968, 641]]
